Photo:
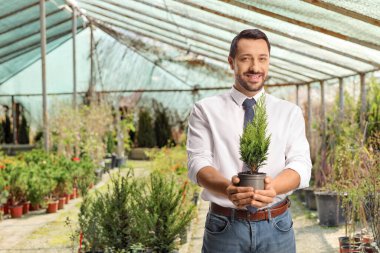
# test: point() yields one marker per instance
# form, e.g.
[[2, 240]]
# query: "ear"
[[231, 62]]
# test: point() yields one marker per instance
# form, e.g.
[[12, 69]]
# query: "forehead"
[[252, 46]]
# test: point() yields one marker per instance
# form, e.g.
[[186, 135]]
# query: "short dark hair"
[[255, 34]]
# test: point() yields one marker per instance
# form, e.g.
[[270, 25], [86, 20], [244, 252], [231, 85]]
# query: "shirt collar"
[[239, 97]]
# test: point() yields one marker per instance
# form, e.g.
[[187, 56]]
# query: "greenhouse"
[[109, 107]]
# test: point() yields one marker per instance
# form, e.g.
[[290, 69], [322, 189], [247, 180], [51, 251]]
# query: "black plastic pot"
[[300, 194], [311, 202], [114, 161], [120, 161], [330, 212], [254, 180]]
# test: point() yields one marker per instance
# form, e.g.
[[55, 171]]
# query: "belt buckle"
[[249, 215]]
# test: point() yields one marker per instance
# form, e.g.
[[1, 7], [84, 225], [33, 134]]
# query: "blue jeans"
[[225, 234]]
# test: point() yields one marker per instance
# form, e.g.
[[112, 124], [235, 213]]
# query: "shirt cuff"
[[195, 167], [303, 171]]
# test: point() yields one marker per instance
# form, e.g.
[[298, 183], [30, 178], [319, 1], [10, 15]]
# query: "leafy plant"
[[84, 174], [17, 181], [3, 191], [110, 142], [254, 143], [162, 212], [39, 183], [106, 219]]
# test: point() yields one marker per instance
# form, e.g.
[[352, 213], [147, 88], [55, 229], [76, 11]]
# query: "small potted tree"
[[39, 186], [254, 144]]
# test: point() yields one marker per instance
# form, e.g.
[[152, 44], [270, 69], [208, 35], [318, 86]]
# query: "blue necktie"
[[249, 112], [248, 117]]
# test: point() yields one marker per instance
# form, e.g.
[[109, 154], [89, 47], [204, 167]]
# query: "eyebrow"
[[250, 55]]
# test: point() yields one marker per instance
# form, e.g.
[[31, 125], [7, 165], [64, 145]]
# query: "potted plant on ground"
[[337, 157], [17, 188], [254, 144], [39, 185], [3, 193]]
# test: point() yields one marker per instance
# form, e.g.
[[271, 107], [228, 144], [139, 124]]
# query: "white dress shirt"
[[215, 128]]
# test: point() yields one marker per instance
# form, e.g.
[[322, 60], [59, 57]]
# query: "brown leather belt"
[[247, 215]]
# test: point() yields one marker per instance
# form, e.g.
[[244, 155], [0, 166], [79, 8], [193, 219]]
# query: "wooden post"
[[341, 99], [362, 100], [43, 68]]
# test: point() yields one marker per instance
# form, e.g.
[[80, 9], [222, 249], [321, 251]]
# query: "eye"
[[263, 59]]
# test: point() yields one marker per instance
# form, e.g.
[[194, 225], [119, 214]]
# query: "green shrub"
[[162, 212], [23, 133], [39, 183], [162, 127], [106, 220], [145, 135]]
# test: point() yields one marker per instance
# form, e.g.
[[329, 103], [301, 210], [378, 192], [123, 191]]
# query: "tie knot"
[[249, 103]]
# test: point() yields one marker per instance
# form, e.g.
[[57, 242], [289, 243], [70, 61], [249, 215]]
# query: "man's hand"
[[262, 198], [240, 196], [245, 196]]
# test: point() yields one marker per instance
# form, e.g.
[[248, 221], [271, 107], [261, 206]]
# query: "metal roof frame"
[[303, 24]]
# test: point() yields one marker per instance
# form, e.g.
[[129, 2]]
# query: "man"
[[215, 128]]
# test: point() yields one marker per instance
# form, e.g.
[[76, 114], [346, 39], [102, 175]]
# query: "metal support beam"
[[341, 99], [153, 29], [309, 119], [43, 68], [14, 120], [140, 15], [90, 7], [303, 24], [344, 11], [268, 29], [211, 54], [323, 118], [74, 33], [363, 101]]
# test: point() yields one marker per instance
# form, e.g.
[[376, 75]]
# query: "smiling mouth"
[[254, 77]]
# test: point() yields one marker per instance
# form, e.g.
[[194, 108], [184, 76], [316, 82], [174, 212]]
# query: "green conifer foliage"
[[23, 133], [145, 137], [162, 127], [254, 143]]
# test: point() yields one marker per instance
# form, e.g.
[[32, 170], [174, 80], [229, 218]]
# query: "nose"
[[254, 66]]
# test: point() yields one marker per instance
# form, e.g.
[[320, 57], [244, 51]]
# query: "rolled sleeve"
[[199, 143], [297, 149]]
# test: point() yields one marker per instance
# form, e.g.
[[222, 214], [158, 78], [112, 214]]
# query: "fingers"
[[236, 189], [235, 180], [240, 196]]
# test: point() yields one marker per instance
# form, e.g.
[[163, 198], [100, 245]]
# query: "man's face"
[[250, 65]]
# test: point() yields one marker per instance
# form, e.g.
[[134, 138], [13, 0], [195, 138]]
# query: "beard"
[[246, 86]]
